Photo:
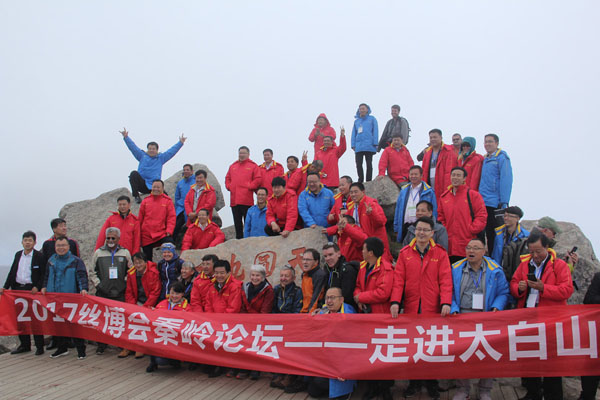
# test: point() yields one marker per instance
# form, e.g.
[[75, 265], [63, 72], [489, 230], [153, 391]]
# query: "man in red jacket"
[[541, 280], [342, 200], [203, 281], [297, 182], [462, 211], [201, 195], [202, 234], [224, 296], [157, 219], [372, 295], [396, 160], [330, 154], [438, 161], [423, 279], [269, 170], [242, 179], [369, 215], [127, 223], [282, 210], [350, 237], [471, 161]]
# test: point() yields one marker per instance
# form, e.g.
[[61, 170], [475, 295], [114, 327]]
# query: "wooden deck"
[[105, 377]]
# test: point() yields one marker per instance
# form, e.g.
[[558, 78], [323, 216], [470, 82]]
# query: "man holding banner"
[[542, 279]]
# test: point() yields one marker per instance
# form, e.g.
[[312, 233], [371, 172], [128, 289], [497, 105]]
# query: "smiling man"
[[127, 223], [157, 219]]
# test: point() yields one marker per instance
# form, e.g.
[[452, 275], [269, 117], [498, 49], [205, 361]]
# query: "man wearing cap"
[[510, 242]]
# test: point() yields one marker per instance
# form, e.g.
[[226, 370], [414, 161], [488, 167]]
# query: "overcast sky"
[[258, 73]]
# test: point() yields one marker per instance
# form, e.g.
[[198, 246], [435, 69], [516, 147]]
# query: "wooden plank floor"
[[104, 377]]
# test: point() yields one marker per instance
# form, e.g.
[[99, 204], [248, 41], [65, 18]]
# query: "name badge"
[[360, 130], [432, 172], [113, 273], [531, 300], [477, 301], [411, 211]]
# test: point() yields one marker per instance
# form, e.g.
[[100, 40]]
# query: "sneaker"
[[410, 391], [59, 353], [124, 353], [151, 368], [485, 395], [297, 386], [81, 355], [20, 350], [100, 350]]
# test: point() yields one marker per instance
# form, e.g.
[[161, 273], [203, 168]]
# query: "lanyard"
[[112, 258], [478, 280]]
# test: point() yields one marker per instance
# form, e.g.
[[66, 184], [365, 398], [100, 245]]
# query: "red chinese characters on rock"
[[297, 260], [236, 268], [268, 259]]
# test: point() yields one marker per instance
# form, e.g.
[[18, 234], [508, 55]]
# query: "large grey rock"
[[85, 218], [588, 264], [386, 192], [272, 252]]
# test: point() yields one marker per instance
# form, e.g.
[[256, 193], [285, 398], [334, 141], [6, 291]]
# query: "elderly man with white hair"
[[109, 270]]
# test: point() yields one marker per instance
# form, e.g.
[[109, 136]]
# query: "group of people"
[[463, 247]]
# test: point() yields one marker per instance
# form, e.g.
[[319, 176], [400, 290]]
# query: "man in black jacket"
[[340, 273], [27, 273], [59, 228]]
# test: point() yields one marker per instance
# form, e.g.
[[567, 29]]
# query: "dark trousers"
[[269, 231], [239, 217], [358, 157], [138, 184], [490, 228], [149, 248], [318, 387], [589, 385], [551, 387], [26, 339], [62, 343], [179, 223], [405, 227]]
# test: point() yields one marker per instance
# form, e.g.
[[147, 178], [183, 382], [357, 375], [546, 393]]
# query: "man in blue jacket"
[[365, 139], [478, 285], [315, 202], [182, 189], [65, 273], [150, 166], [495, 185], [410, 195], [256, 217]]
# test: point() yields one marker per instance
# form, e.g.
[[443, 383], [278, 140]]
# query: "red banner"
[[549, 341]]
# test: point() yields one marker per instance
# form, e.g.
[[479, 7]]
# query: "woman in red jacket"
[[257, 298]]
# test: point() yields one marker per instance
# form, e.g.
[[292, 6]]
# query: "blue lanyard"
[[478, 280]]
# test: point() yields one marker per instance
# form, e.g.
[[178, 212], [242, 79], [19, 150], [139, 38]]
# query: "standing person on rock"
[[471, 161], [270, 169], [128, 225], [396, 160], [242, 179], [396, 126], [201, 195], [365, 134], [150, 164], [322, 128], [330, 154], [157, 219], [181, 191], [438, 161]]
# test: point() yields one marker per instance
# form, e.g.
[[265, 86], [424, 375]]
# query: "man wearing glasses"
[[110, 265], [479, 285], [313, 281]]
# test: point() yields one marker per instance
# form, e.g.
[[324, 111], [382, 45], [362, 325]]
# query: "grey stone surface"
[[386, 192], [273, 252], [85, 218]]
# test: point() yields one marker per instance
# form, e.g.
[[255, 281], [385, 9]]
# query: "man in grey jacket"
[[440, 235], [396, 125], [110, 265]]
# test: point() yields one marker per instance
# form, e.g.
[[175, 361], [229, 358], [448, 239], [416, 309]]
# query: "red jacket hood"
[[326, 120]]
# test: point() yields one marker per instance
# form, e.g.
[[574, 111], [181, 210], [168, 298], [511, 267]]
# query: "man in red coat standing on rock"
[[396, 160], [201, 195], [127, 223], [242, 179], [330, 154], [438, 161], [269, 170], [157, 219]]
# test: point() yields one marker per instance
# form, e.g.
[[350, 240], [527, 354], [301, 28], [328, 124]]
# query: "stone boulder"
[[588, 264], [272, 252], [386, 192], [85, 218]]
